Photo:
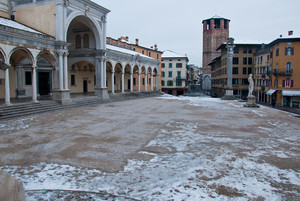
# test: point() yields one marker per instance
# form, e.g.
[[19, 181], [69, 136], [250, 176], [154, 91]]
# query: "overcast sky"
[[177, 25]]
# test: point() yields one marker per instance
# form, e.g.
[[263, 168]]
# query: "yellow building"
[[285, 66]]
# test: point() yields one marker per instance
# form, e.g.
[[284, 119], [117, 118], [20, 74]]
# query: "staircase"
[[24, 109]]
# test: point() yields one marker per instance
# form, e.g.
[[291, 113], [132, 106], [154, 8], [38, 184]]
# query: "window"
[[170, 65], [134, 49], [249, 61], [250, 50], [277, 52], [143, 81], [162, 83], [287, 83], [235, 60], [86, 41], [163, 74], [236, 50], [28, 80], [73, 83], [235, 81], [245, 61], [150, 80], [77, 42], [134, 81], [261, 60], [179, 75], [250, 70], [170, 73], [244, 70], [268, 58], [149, 54], [157, 56], [245, 82], [288, 68], [271, 54], [178, 65], [170, 83], [143, 52], [289, 51], [163, 65], [235, 70], [245, 50]]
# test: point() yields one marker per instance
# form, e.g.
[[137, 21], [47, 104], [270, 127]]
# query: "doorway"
[[85, 86], [129, 84], [44, 83]]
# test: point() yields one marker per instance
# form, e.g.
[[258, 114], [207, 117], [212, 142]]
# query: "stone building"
[[285, 67], [243, 65], [58, 47], [215, 32], [262, 74], [174, 73]]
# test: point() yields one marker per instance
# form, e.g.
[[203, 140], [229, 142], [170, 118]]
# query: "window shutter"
[[292, 51], [286, 50], [283, 83], [292, 83]]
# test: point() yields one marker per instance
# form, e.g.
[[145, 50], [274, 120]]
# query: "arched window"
[[288, 68], [77, 42], [86, 41]]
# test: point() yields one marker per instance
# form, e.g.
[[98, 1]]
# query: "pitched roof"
[[16, 25], [171, 54]]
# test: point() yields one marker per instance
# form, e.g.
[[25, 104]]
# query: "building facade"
[[174, 73], [58, 47], [285, 66], [152, 52], [262, 74], [243, 65]]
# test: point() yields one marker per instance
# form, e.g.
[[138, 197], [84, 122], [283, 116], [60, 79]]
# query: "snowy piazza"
[[135, 150], [149, 100]]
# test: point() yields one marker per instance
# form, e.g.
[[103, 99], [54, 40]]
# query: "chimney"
[[127, 38], [280, 36], [151, 47], [155, 47], [137, 42], [290, 33]]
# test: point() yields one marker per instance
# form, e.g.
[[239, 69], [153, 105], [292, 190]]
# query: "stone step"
[[19, 110]]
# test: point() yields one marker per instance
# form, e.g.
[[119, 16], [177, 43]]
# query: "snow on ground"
[[189, 162]]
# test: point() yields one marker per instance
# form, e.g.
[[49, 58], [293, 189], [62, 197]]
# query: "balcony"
[[178, 78]]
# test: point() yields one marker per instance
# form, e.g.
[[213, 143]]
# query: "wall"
[[42, 18]]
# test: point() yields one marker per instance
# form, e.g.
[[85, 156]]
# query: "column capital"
[[104, 18], [60, 52]]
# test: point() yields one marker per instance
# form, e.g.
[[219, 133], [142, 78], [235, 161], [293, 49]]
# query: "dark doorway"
[[44, 83], [85, 86], [129, 84]]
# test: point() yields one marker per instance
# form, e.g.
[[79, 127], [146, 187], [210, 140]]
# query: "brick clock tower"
[[215, 32]]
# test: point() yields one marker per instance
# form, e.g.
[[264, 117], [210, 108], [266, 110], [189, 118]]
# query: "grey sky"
[[177, 25]]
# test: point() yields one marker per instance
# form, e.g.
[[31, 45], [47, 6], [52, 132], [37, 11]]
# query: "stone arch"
[[82, 77], [127, 77], [118, 69], [85, 21], [19, 54]]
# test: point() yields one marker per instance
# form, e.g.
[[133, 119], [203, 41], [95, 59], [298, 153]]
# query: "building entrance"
[[44, 83], [85, 86]]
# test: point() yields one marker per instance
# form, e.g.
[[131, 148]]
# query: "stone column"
[[229, 91], [151, 81], [101, 89], [146, 81], [61, 73], [7, 88], [66, 77], [34, 88], [123, 82], [139, 81], [60, 20], [131, 81], [112, 82]]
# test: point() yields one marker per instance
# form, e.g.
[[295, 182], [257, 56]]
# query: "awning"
[[290, 93], [270, 92]]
